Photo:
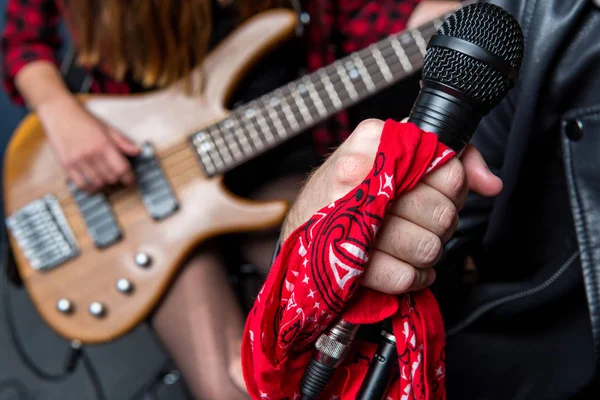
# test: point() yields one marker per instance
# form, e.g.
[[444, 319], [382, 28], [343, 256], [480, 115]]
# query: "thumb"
[[124, 144], [481, 179]]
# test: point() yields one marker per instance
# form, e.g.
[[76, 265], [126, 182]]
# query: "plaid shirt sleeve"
[[340, 27], [30, 34]]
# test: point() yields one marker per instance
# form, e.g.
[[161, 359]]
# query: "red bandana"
[[317, 273]]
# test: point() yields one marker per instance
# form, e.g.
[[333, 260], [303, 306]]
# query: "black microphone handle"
[[448, 113], [379, 376]]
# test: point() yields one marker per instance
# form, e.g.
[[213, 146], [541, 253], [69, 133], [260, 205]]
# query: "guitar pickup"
[[99, 218], [152, 184]]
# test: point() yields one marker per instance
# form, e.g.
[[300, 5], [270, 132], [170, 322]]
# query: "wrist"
[[59, 105]]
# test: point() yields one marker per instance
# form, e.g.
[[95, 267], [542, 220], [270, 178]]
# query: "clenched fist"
[[419, 222]]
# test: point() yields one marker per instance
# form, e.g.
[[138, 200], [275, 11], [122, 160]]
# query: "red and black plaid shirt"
[[337, 27]]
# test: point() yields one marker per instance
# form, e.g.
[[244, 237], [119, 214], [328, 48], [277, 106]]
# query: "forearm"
[[40, 82]]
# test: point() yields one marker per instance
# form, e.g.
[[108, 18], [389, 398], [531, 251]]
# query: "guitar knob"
[[124, 285], [97, 309], [64, 306], [143, 259]]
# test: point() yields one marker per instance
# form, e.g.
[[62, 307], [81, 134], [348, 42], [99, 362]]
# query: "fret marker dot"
[[274, 101], [250, 113], [302, 88], [228, 124], [353, 74]]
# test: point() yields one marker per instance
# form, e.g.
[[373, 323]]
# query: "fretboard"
[[276, 117]]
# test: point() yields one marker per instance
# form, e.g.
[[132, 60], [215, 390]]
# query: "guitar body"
[[166, 119]]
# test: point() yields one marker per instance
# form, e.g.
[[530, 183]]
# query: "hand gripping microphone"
[[470, 66]]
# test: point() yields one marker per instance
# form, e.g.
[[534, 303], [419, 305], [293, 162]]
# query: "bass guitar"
[[96, 265]]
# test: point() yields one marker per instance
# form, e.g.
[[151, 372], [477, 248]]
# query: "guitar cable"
[[74, 354]]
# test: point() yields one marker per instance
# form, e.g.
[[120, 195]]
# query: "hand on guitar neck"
[[92, 153]]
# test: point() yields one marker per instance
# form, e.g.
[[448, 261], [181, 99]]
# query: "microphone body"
[[447, 113]]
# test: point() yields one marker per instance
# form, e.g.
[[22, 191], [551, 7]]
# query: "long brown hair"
[[157, 41]]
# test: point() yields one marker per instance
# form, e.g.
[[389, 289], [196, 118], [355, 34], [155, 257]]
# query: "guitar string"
[[182, 178], [321, 92], [228, 136], [123, 209], [424, 30], [176, 180], [193, 156]]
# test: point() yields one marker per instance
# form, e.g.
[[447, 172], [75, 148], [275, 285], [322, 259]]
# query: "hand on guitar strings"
[[411, 238], [92, 153]]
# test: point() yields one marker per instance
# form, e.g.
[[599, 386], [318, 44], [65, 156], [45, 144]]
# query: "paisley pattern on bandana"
[[315, 280]]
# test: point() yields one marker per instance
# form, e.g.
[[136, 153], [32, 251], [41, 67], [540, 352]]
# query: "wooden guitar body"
[[104, 292]]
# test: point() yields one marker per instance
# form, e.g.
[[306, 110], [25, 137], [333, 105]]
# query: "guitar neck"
[[274, 118]]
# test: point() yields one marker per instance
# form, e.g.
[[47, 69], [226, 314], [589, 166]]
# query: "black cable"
[[70, 360], [93, 375], [73, 356], [75, 353]]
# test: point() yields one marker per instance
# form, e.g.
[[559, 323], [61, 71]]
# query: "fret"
[[362, 70], [276, 116], [277, 108], [308, 99], [287, 112], [263, 125], [221, 144], [215, 154], [231, 141], [387, 74], [345, 80], [279, 128], [330, 89], [225, 127], [300, 103], [203, 147], [416, 34], [239, 134], [256, 139], [401, 54], [314, 95]]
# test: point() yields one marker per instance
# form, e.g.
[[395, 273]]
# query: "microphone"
[[470, 66]]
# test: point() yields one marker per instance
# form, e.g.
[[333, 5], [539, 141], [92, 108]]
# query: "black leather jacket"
[[530, 327]]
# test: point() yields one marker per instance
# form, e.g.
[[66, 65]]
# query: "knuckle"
[[429, 249], [445, 217], [351, 169], [122, 169], [402, 280], [456, 181], [370, 126]]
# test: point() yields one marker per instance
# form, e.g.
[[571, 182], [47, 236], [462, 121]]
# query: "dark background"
[[122, 366]]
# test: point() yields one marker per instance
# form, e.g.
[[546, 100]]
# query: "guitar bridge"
[[42, 233]]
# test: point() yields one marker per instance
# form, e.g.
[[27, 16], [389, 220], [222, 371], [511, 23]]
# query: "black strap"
[[77, 79]]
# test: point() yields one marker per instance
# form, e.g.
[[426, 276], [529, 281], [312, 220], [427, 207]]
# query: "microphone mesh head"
[[485, 25]]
